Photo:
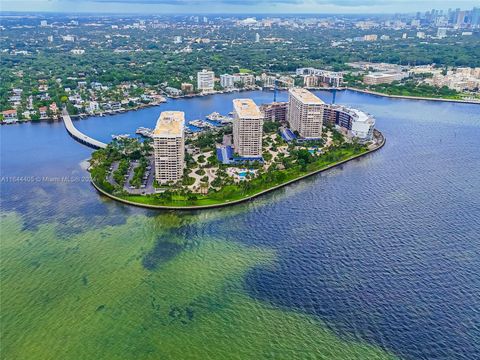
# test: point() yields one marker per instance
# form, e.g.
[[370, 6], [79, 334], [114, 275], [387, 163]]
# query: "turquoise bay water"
[[377, 257]]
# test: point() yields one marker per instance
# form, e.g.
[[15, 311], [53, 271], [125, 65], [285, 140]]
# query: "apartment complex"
[[459, 79], [305, 113], [230, 81], [316, 77], [276, 111], [227, 81], [205, 80], [169, 146], [244, 79], [187, 88], [355, 122], [247, 128]]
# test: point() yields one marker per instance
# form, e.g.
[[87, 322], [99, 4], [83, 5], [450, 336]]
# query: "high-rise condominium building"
[[247, 128], [305, 113], [205, 80], [169, 146]]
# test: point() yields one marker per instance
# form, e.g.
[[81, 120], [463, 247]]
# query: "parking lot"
[[146, 186]]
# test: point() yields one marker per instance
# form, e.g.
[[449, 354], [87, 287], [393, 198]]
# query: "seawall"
[[248, 198]]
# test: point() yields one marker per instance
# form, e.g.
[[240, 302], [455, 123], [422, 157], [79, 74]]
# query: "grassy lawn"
[[246, 189]]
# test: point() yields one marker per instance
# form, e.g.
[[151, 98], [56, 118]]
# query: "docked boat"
[[120, 137], [226, 120], [215, 116], [143, 131], [201, 124]]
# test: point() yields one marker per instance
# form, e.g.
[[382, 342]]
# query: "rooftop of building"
[[274, 104], [170, 123], [305, 96], [356, 114], [246, 108], [380, 75]]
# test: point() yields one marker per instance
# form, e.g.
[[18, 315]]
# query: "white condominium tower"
[[227, 81], [205, 80], [305, 113], [169, 146], [247, 128]]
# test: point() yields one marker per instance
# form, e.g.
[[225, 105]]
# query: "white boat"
[[201, 124], [226, 120], [143, 131], [214, 116], [121, 136]]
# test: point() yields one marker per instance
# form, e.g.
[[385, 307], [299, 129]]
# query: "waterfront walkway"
[[78, 135]]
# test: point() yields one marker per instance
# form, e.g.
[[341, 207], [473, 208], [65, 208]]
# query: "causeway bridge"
[[78, 135]]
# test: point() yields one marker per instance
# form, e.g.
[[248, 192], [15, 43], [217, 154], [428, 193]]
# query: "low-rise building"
[[69, 38], [77, 51], [115, 105], [371, 37], [247, 128], [187, 88], [169, 146], [43, 112], [383, 78], [53, 108], [173, 91], [10, 115], [92, 107]]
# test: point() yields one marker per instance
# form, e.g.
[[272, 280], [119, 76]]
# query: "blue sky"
[[234, 6]]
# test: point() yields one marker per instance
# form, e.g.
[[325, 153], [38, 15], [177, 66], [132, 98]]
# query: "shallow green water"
[[138, 291]]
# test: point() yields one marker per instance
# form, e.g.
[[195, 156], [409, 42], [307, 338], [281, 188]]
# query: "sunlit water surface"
[[374, 259]]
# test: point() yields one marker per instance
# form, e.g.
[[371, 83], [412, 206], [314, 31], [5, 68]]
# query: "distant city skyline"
[[234, 6]]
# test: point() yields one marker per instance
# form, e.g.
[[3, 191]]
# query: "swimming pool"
[[243, 174]]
